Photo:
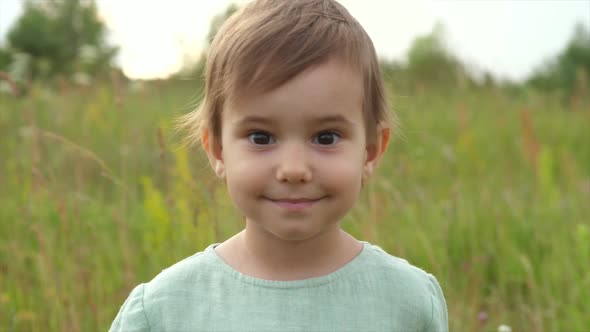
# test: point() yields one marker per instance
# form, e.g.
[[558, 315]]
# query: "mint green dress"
[[373, 292]]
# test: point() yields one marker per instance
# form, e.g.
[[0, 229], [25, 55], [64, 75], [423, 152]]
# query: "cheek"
[[343, 174], [245, 175]]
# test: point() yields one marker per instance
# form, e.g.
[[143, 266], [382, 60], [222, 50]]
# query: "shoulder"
[[416, 287], [151, 304], [131, 316], [389, 266], [190, 270]]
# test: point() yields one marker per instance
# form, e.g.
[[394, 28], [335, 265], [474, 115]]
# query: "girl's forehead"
[[329, 89], [326, 84], [273, 76]]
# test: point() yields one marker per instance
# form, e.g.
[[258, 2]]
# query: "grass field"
[[489, 192]]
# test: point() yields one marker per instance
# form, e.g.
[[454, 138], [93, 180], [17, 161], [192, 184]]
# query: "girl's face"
[[294, 158]]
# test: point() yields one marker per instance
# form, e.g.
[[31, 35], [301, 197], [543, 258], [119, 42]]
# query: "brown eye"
[[326, 138], [261, 138]]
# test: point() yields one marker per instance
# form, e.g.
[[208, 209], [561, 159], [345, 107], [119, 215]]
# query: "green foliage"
[[62, 37], [5, 59], [569, 72], [97, 198], [430, 66], [218, 21], [34, 33], [429, 62]]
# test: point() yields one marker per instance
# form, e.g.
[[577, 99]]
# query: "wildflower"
[[482, 317]]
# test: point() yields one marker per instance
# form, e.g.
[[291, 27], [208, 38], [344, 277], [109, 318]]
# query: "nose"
[[293, 166]]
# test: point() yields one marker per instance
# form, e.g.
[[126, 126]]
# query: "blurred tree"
[[431, 64], [570, 70], [5, 59], [62, 37], [218, 21]]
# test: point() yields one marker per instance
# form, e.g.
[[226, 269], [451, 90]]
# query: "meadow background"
[[486, 185]]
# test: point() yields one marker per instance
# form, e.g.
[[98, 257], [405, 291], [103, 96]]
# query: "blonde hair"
[[268, 42]]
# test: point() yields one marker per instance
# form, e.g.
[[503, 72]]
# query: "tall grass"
[[488, 192]]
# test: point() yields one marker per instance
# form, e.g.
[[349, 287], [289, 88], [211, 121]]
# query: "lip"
[[295, 204]]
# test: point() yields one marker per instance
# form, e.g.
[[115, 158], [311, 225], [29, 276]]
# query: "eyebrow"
[[336, 119], [253, 119], [331, 119]]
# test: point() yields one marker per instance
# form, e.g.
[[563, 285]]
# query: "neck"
[[268, 257]]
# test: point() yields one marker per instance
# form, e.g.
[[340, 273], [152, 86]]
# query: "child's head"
[[268, 42], [294, 116]]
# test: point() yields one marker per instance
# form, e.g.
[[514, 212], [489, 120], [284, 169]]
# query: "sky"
[[509, 38]]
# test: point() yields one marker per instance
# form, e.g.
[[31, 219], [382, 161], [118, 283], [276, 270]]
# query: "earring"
[[219, 171]]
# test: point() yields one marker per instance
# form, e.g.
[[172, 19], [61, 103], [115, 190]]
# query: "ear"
[[375, 151], [213, 149]]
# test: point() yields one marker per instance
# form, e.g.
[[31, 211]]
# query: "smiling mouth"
[[295, 203]]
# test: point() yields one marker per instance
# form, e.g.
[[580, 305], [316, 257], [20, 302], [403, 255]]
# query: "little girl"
[[294, 120]]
